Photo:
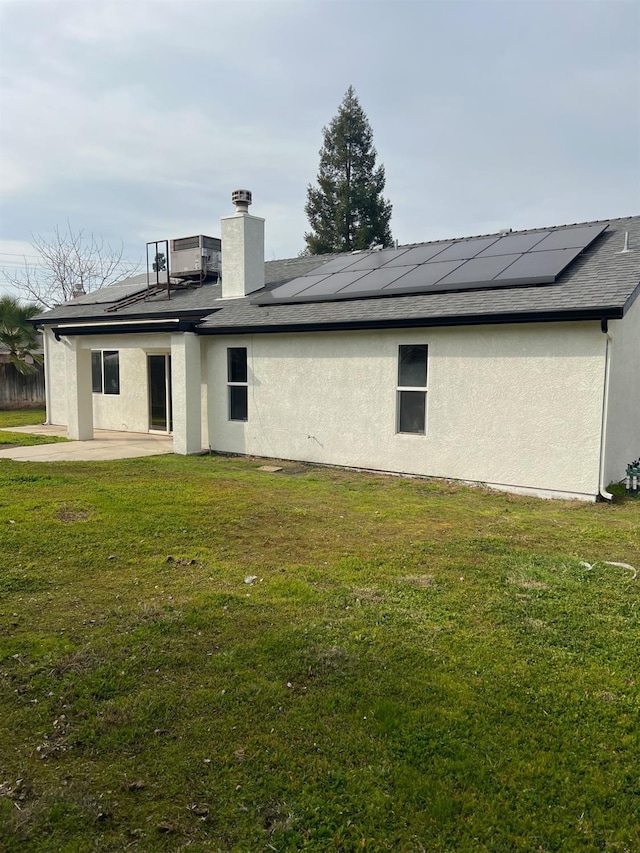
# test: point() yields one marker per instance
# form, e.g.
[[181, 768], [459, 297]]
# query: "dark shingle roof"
[[191, 301], [602, 281]]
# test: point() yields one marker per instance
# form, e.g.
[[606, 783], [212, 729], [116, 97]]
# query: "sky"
[[134, 120]]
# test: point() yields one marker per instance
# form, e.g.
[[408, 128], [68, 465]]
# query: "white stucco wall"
[[56, 379], [127, 411], [515, 406], [623, 422]]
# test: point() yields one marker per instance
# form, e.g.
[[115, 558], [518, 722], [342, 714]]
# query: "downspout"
[[603, 493], [47, 376]]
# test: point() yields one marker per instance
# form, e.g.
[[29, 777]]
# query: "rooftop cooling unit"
[[196, 257]]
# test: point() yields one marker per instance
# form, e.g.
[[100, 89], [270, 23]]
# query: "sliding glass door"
[[159, 371]]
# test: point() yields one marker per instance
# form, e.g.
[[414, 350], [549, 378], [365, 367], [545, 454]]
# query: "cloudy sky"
[[135, 120]]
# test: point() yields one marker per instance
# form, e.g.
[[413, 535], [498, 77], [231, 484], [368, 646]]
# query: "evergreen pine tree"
[[346, 210]]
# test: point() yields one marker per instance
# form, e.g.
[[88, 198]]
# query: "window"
[[96, 372], [237, 381], [412, 389], [105, 371]]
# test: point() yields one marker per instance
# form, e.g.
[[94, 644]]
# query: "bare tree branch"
[[71, 263]]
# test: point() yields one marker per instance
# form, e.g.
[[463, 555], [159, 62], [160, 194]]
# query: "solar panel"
[[418, 255], [114, 292], [425, 275], [291, 288], [480, 270], [539, 267], [571, 238], [333, 283], [466, 249], [337, 264], [377, 259], [513, 244], [376, 280]]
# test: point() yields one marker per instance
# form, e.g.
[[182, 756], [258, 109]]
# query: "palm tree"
[[18, 336]]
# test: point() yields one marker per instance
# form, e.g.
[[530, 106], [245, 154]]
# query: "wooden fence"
[[18, 391]]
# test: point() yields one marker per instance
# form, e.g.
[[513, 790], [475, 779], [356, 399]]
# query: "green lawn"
[[24, 417], [417, 666]]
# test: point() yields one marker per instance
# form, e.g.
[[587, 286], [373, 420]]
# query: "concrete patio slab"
[[107, 444]]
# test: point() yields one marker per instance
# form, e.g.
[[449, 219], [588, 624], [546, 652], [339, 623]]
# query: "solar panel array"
[[114, 292], [510, 260]]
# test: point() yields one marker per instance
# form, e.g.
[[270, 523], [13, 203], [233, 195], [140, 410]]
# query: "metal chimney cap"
[[242, 200]]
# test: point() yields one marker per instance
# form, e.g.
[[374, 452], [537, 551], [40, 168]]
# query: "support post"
[[186, 390], [79, 393]]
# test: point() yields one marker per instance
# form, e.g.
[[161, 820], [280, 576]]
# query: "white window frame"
[[421, 389]]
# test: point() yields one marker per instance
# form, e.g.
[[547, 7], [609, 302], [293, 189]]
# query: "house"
[[509, 359]]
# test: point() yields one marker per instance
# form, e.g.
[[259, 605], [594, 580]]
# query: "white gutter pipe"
[[47, 377], [605, 414]]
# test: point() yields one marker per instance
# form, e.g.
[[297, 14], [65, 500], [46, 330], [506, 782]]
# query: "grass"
[[24, 417], [416, 666]]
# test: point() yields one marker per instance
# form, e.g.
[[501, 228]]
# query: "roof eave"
[[571, 315], [96, 319], [178, 324], [631, 298]]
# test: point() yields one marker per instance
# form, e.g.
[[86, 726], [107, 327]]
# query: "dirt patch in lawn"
[[68, 514], [420, 581]]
